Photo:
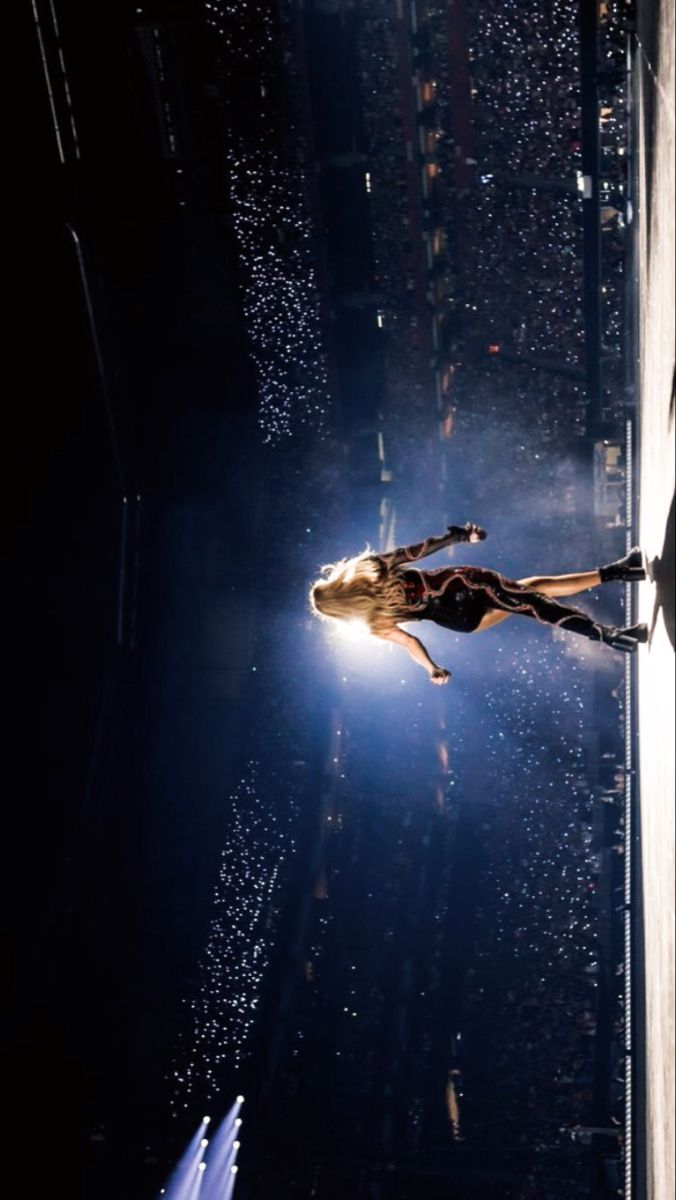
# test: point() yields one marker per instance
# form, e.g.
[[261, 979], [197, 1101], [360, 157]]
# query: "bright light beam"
[[186, 1171], [222, 1152], [197, 1182], [219, 1180], [230, 1185]]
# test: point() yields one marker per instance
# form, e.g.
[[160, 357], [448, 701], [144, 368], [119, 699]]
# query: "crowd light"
[[281, 299], [239, 944]]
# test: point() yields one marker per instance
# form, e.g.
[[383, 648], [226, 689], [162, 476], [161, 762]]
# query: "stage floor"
[[655, 75]]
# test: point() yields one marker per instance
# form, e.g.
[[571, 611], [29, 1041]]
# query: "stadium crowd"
[[505, 267], [546, 1009]]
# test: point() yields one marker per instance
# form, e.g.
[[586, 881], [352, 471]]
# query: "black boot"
[[626, 640], [638, 632], [630, 569]]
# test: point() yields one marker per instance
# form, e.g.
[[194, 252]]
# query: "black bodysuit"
[[455, 597], [459, 597]]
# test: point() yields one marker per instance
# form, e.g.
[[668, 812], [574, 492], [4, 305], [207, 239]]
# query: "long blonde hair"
[[362, 588]]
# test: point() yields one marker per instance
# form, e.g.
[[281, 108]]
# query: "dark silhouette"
[[662, 572]]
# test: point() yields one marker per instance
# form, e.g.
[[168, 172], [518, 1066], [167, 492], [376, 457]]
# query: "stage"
[[654, 63]]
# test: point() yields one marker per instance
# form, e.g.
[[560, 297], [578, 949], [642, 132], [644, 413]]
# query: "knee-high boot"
[[631, 569]]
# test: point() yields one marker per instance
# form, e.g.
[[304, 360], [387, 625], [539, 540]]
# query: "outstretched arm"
[[455, 533], [418, 653]]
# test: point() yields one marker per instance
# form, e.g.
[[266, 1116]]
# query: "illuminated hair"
[[362, 588]]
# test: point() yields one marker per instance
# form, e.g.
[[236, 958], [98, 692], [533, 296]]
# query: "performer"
[[380, 590]]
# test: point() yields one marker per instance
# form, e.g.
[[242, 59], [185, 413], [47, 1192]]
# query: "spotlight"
[[204, 1142], [234, 1169], [202, 1166], [206, 1120], [240, 1099], [236, 1145], [354, 630], [238, 1121]]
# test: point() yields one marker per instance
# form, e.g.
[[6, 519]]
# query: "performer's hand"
[[468, 532], [474, 532], [440, 676]]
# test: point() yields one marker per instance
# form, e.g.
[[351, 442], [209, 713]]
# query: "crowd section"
[[365, 1040], [524, 258], [499, 263], [616, 212], [223, 1003], [526, 452], [282, 304], [523, 262], [548, 969], [267, 147], [399, 216], [526, 76], [525, 233], [457, 268]]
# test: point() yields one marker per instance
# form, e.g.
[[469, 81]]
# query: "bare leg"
[[493, 617], [562, 585], [548, 585]]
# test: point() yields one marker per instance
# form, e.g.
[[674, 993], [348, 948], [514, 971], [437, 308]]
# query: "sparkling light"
[[223, 1011]]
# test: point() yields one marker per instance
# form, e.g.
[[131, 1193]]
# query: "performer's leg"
[[547, 585], [631, 569], [562, 585], [510, 597], [549, 611], [493, 617]]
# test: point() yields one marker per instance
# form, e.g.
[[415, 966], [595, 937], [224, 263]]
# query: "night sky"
[[275, 302]]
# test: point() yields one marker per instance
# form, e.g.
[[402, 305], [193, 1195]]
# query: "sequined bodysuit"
[[455, 597], [459, 597]]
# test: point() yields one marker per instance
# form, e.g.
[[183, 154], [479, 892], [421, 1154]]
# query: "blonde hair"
[[362, 588]]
